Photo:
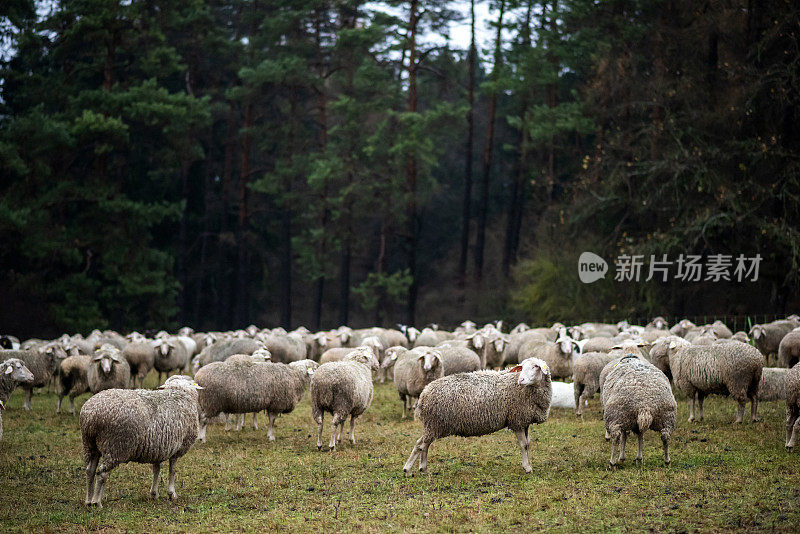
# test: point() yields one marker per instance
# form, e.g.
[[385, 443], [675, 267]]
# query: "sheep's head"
[[565, 345], [659, 323], [676, 343], [521, 327], [468, 326], [345, 334], [107, 356], [364, 355], [412, 334], [261, 355], [757, 332], [55, 351], [531, 371], [391, 354], [15, 369], [429, 358], [499, 343], [180, 382], [477, 340], [305, 366], [164, 347], [321, 339]]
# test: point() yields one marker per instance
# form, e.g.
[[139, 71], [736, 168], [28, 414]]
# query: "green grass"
[[723, 477]]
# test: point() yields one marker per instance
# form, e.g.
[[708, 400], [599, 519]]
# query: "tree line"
[[218, 163]]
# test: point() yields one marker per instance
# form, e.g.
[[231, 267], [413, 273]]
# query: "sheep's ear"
[[673, 344], [2, 405], [515, 369], [9, 370], [394, 356], [310, 371]]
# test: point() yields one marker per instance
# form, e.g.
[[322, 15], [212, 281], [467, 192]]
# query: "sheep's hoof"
[[408, 472], [154, 495], [272, 438], [789, 448], [527, 468], [173, 496], [353, 441], [755, 420], [612, 467], [690, 420], [638, 461]]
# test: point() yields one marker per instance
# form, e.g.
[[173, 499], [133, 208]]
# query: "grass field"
[[723, 477]]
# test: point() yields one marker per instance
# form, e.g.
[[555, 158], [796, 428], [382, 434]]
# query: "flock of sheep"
[[468, 382]]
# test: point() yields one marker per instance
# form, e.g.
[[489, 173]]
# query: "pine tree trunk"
[[467, 199], [488, 152], [411, 167]]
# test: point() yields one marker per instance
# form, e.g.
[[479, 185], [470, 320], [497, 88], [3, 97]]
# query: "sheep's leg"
[[665, 442], [72, 404], [701, 411], [382, 375], [623, 442], [405, 405], [754, 418], [522, 439], [791, 419], [58, 406], [639, 456], [28, 396], [423, 457], [239, 421], [271, 427], [228, 422], [102, 477], [319, 435], [415, 452], [353, 429], [341, 429], [691, 408], [740, 411], [154, 487], [171, 487], [255, 420], [335, 425], [201, 433], [91, 469], [578, 396], [614, 444]]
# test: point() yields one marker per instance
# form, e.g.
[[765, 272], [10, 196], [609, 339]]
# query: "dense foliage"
[[305, 162]]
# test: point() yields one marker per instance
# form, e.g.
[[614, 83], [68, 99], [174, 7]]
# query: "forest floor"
[[723, 477]]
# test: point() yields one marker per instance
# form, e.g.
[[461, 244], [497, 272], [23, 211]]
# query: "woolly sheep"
[[682, 328], [767, 337], [285, 348], [458, 359], [221, 350], [517, 340], [141, 357], [42, 362], [789, 349], [475, 404], [586, 377], [792, 406], [240, 385], [12, 373], [335, 354], [140, 426], [658, 323], [73, 379], [637, 397], [773, 384], [108, 370], [557, 355], [342, 389], [727, 369], [414, 370], [171, 355]]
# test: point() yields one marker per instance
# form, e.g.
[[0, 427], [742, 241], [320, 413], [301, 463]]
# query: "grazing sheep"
[[725, 369], [221, 350], [492, 355], [285, 348], [682, 328], [108, 370], [73, 379], [767, 337], [792, 406], [563, 395], [12, 373], [240, 385], [475, 404], [140, 426], [517, 340], [171, 355], [342, 389], [414, 370], [41, 361], [458, 359], [141, 357], [637, 397], [773, 384], [598, 344], [336, 354], [789, 349], [557, 355], [586, 377]]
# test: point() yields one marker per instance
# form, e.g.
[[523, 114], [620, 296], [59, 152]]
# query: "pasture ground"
[[723, 477]]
